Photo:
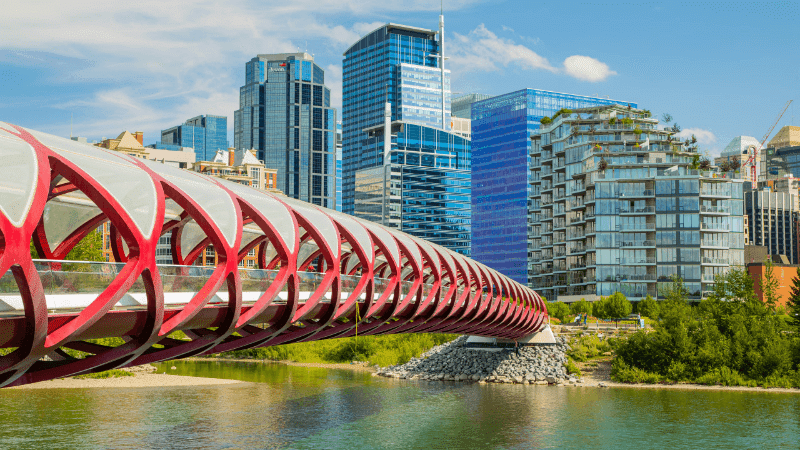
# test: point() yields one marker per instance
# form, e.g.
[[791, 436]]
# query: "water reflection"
[[298, 407]]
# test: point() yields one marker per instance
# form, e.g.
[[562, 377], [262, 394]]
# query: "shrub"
[[723, 376], [587, 347], [623, 373], [559, 310], [113, 373], [572, 368], [545, 120], [649, 307]]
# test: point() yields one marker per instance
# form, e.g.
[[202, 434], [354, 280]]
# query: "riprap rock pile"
[[455, 362]]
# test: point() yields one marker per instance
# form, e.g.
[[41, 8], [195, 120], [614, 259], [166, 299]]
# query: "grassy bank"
[[383, 350]]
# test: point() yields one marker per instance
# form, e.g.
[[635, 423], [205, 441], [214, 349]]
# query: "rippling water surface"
[[311, 408]]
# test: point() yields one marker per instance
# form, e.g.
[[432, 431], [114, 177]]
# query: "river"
[[313, 408]]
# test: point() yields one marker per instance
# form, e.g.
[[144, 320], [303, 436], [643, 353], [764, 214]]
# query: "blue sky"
[[721, 69]]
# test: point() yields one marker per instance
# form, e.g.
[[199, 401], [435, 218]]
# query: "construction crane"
[[754, 154]]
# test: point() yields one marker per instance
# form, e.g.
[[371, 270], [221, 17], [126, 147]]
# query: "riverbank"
[[355, 366], [141, 377]]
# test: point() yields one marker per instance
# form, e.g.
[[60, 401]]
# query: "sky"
[[94, 69]]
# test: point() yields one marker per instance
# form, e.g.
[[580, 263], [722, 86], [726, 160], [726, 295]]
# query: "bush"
[[572, 368], [648, 308], [545, 120], [587, 347], [113, 373], [581, 307], [559, 310], [730, 338], [623, 373]]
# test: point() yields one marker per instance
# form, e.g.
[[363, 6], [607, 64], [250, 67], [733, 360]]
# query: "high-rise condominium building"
[[395, 64], [285, 114], [403, 165], [205, 134], [501, 164], [616, 205]]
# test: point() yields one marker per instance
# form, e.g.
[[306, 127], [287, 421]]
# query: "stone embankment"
[[455, 362]]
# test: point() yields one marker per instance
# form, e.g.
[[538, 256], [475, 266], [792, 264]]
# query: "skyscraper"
[[402, 165], [284, 113], [205, 134], [395, 64], [501, 128]]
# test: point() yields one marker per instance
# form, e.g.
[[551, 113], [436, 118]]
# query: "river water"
[[313, 408]]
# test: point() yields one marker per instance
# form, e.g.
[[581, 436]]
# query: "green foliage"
[[627, 121], [90, 248], [623, 373], [113, 373], [615, 306], [649, 307], [572, 368], [581, 307], [637, 130], [585, 348], [612, 120], [730, 338], [769, 285], [793, 304], [561, 111], [384, 350], [646, 113], [559, 310], [545, 120]]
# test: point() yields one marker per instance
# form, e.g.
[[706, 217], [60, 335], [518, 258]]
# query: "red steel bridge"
[[320, 274]]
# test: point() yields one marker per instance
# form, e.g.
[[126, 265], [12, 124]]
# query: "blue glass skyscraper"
[[401, 165], [284, 113], [206, 134], [501, 130], [394, 64]]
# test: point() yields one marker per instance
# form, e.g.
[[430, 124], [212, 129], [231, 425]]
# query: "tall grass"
[[385, 350]]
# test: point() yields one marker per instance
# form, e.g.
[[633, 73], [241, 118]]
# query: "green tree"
[[769, 285], [545, 120], [649, 307], [618, 306], [90, 248], [793, 303], [559, 310], [581, 307]]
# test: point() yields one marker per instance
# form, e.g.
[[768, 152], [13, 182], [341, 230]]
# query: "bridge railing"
[[73, 285]]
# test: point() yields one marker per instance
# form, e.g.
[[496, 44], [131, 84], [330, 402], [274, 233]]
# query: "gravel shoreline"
[[143, 376]]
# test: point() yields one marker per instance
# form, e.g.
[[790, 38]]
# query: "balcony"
[[644, 243], [643, 210], [712, 191], [714, 226], [638, 277], [716, 261], [637, 226], [637, 194], [635, 261], [714, 243], [713, 210]]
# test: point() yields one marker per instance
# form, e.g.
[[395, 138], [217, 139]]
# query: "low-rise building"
[[240, 166], [131, 144]]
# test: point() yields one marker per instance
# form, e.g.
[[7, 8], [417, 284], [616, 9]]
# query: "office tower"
[[339, 166], [205, 134], [501, 127], [402, 165], [462, 105], [284, 113], [772, 212], [395, 64], [617, 205]]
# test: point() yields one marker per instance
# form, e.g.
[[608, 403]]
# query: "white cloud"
[[483, 50], [704, 137], [587, 68], [167, 63]]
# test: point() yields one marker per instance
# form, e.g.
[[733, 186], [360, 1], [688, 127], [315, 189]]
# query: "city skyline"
[[58, 67]]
